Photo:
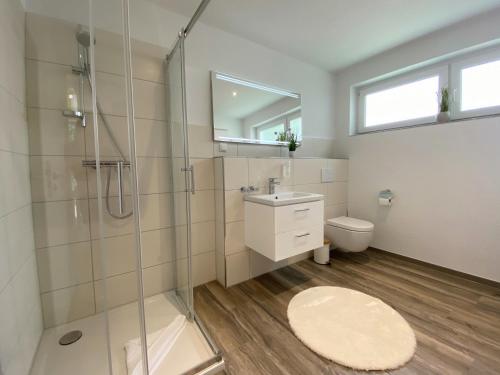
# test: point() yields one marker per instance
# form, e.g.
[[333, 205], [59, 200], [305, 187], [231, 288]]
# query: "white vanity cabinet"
[[280, 232]]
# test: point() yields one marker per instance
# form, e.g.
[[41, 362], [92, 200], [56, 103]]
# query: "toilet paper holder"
[[386, 194]]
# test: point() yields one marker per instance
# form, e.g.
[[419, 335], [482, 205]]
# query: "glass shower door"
[[182, 174]]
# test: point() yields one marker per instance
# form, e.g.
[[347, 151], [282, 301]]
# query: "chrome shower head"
[[83, 37]]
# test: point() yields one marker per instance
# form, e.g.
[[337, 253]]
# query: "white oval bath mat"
[[351, 328]]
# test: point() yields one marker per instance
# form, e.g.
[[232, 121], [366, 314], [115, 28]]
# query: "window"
[[296, 126], [270, 133], [402, 101], [473, 83], [270, 130], [477, 83]]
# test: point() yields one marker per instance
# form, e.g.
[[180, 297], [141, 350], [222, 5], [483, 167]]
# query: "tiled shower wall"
[[20, 313], [236, 262], [64, 193]]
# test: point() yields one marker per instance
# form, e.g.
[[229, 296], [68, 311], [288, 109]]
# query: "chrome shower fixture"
[[76, 109]]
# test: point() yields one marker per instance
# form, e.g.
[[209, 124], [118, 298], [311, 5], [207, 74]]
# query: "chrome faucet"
[[273, 181]]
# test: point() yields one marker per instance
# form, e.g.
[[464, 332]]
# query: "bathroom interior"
[[249, 187]]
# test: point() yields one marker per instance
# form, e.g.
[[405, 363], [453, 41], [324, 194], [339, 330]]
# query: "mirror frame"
[[235, 79]]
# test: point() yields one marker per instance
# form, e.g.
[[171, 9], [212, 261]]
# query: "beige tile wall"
[[65, 206], [20, 309], [237, 263]]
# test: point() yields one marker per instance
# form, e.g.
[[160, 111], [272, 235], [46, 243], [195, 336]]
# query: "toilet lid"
[[351, 223]]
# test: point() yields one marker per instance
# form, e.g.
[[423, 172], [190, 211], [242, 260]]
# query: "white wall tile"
[[203, 173], [13, 125], [19, 238], [203, 268], [61, 222], [8, 329], [107, 150], [12, 47], [235, 237], [155, 211], [250, 150], [234, 205], [119, 256], [48, 84], [202, 241], [260, 170], [232, 149], [151, 138], [149, 100], [55, 178], [235, 173], [158, 279], [14, 169], [154, 175], [25, 288], [312, 188], [110, 90], [157, 247], [5, 266], [148, 61], [53, 134], [308, 171], [65, 265], [20, 316], [65, 305], [220, 267], [202, 206], [51, 39], [340, 169], [200, 141], [120, 289], [237, 268]]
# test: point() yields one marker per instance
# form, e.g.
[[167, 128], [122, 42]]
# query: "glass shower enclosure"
[[126, 99]]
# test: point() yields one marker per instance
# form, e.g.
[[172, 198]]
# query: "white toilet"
[[349, 234]]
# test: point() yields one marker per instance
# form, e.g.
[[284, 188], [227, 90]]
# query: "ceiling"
[[332, 34]]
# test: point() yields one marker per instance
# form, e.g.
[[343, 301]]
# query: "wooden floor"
[[456, 320]]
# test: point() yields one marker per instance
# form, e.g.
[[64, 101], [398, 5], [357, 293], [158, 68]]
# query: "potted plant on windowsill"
[[290, 138], [292, 145], [444, 105]]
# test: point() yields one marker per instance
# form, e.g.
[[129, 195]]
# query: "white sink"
[[284, 198]]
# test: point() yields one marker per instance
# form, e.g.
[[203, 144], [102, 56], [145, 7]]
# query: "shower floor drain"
[[70, 337]]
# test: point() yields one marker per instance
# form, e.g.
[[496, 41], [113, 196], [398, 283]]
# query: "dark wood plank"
[[456, 318]]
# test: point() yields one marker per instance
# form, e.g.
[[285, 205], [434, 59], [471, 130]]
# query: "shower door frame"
[[216, 363], [187, 168]]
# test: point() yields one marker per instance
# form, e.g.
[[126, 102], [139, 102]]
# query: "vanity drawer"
[[299, 216], [299, 241]]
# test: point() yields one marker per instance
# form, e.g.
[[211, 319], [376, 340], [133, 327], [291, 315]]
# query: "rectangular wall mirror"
[[251, 112]]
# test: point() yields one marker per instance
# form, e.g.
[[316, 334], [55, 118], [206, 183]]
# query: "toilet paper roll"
[[385, 202]]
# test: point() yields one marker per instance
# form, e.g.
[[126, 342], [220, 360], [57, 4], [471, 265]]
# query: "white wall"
[[20, 315], [208, 48], [445, 177]]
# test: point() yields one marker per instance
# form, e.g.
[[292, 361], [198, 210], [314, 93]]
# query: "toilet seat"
[[351, 223]]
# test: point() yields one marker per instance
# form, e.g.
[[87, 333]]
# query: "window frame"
[[285, 119], [441, 71], [456, 68], [270, 124]]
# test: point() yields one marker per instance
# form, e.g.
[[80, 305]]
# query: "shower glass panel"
[[119, 210], [114, 222], [182, 176]]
